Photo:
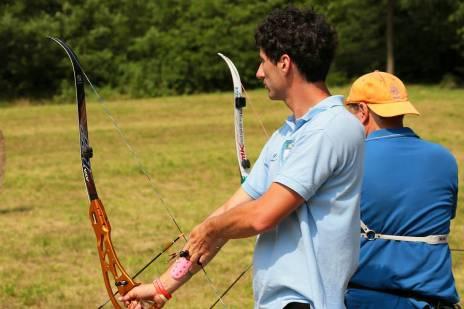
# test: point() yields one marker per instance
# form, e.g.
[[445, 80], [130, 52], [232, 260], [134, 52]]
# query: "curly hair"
[[304, 35]]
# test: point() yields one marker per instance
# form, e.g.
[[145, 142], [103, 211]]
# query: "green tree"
[[150, 48]]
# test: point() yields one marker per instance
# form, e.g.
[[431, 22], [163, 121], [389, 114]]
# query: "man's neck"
[[377, 123], [301, 96]]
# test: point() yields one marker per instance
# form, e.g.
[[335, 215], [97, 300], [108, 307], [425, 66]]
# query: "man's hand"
[[203, 243], [135, 298]]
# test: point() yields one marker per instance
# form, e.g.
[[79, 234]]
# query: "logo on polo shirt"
[[274, 157], [286, 149]]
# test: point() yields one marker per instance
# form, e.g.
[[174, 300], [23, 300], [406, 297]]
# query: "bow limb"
[[110, 264], [240, 103]]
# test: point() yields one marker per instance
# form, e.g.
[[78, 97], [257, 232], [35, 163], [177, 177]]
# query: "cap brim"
[[393, 109]]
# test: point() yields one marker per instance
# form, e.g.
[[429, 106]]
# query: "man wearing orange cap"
[[408, 198]]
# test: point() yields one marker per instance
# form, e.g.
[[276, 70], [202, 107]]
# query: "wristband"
[[161, 290], [162, 297]]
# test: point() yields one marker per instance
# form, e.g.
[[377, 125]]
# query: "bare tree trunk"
[[390, 54], [2, 157]]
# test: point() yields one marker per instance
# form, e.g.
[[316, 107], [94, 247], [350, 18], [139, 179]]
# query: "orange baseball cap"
[[384, 93]]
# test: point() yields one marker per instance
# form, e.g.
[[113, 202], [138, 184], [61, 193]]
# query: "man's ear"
[[363, 113], [284, 63]]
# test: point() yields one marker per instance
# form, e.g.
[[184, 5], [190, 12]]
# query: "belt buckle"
[[370, 235]]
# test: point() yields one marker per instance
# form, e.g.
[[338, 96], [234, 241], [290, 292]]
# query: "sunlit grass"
[[186, 144]]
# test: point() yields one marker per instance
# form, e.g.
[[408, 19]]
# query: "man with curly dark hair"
[[302, 195], [306, 38]]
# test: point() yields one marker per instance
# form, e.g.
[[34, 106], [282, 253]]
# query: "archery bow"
[[108, 258], [97, 215]]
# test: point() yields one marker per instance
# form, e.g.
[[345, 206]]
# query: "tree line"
[[150, 48]]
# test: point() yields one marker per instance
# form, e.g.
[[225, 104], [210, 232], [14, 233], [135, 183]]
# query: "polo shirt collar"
[[391, 133], [329, 102]]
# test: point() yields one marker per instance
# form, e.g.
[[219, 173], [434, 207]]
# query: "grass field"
[[48, 257]]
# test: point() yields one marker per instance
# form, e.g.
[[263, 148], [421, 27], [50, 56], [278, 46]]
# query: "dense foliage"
[[150, 48]]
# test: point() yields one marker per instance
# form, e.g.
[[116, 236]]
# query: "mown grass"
[[186, 144]]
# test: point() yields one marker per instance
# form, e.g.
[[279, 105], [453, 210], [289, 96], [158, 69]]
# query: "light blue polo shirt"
[[410, 189], [311, 254]]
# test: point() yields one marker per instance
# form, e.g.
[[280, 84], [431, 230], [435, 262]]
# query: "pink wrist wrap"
[[181, 268]]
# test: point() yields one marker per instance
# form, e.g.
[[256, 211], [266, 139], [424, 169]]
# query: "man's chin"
[[269, 93], [272, 96]]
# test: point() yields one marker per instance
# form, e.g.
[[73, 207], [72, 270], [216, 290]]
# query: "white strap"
[[431, 239], [364, 227]]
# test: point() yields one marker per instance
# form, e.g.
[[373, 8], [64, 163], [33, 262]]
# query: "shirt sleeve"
[[311, 161]]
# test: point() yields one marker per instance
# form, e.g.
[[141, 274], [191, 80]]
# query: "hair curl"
[[304, 35]]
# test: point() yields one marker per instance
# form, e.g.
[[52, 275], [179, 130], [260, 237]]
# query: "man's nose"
[[260, 73]]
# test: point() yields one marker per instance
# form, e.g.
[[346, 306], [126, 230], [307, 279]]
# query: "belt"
[[430, 239]]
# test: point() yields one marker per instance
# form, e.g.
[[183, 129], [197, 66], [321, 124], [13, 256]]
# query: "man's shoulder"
[[339, 131], [436, 150], [335, 117], [441, 157], [417, 150], [339, 124]]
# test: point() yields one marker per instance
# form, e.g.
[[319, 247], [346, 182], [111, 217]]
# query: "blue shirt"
[[410, 189], [311, 254]]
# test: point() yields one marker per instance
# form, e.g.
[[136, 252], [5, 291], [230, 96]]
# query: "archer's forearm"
[[238, 222], [238, 198], [256, 216]]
